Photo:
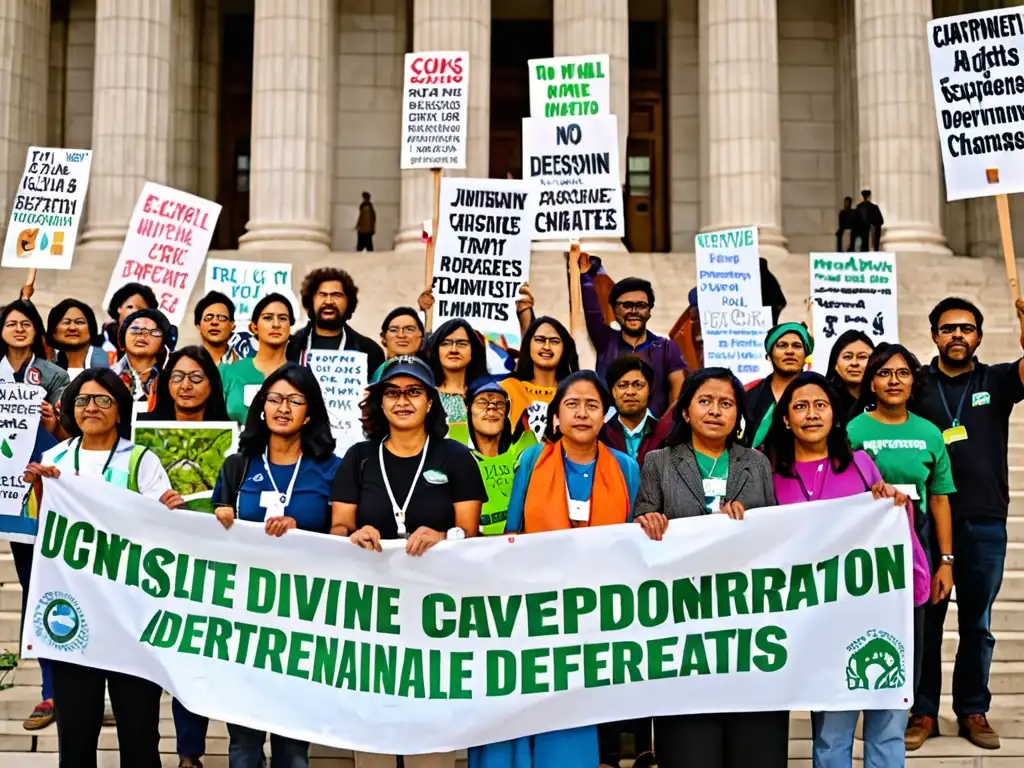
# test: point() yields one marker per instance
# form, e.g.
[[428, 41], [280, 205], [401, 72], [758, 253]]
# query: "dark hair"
[[846, 338], [111, 382], [28, 309], [779, 445], [122, 294], [478, 352], [551, 434], [167, 343], [211, 298], [622, 365], [847, 199], [630, 284], [375, 422], [865, 193], [313, 281], [266, 301], [57, 314], [882, 355], [954, 302], [476, 388], [401, 312], [682, 432], [315, 436], [215, 409], [568, 363]]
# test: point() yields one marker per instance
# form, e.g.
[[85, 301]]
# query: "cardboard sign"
[[342, 377], [573, 168], [570, 86], [852, 291], [19, 421], [728, 269], [167, 241], [435, 95], [734, 339], [978, 79], [48, 208], [483, 252], [246, 282]]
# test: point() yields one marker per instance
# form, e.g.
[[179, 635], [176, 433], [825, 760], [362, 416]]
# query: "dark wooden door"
[[235, 129]]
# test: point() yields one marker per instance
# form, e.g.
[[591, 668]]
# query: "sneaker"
[[975, 729], [41, 717], [919, 730]]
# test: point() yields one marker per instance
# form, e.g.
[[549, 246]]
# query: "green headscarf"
[[782, 329]]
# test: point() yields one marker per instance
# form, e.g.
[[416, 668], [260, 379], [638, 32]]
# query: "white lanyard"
[[400, 511], [284, 499], [7, 370], [309, 342], [579, 511]]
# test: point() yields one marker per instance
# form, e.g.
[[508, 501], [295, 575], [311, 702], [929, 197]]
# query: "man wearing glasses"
[[215, 320], [634, 430], [631, 300], [971, 403]]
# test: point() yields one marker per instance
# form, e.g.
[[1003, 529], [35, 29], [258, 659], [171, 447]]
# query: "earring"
[[263, 416]]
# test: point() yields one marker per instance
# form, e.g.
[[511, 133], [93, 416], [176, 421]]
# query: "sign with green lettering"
[[482, 640], [570, 86]]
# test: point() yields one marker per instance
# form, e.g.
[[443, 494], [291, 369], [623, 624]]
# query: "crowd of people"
[[465, 437]]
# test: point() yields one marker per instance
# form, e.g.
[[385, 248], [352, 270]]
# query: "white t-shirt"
[[153, 480]]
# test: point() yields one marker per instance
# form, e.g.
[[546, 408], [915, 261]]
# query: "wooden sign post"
[[576, 324], [1006, 235], [30, 285], [428, 276]]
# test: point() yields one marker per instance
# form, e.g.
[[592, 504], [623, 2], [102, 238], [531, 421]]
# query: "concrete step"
[[1005, 677], [1006, 716], [1006, 617], [10, 597], [1009, 647], [8, 573]]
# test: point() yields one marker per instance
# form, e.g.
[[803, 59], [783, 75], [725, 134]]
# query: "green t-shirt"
[[713, 469], [909, 454], [236, 378]]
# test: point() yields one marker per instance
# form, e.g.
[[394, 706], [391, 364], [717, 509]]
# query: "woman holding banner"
[[811, 456], [271, 324], [96, 410], [72, 334], [846, 364], [457, 357]]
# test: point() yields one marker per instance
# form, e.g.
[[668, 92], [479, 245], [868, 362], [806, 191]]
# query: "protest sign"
[[246, 282], [342, 376], [852, 291], [483, 252], [167, 241], [570, 86], [806, 607], [48, 208], [734, 339], [435, 96], [978, 81], [19, 421], [573, 166]]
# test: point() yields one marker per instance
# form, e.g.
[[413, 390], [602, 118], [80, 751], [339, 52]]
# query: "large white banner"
[[802, 607], [978, 80], [19, 422], [435, 99]]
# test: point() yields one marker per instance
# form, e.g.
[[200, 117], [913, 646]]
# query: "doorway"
[[646, 192], [235, 129]]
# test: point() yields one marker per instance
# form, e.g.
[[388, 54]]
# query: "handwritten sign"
[[19, 421], [734, 338], [573, 167], [435, 95], [167, 241], [246, 282], [570, 86], [728, 269], [978, 81], [483, 252], [342, 377], [47, 210], [852, 291]]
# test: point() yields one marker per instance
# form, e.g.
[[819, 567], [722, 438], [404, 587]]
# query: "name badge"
[[579, 511], [908, 489], [955, 434], [273, 503], [714, 486], [249, 393], [140, 406]]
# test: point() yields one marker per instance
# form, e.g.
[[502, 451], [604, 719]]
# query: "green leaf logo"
[[5, 449], [44, 243]]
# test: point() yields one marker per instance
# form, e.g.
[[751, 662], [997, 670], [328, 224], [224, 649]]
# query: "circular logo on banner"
[[58, 621], [32, 376], [876, 662]]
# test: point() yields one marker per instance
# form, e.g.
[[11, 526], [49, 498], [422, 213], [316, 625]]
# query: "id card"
[[714, 486], [579, 511], [273, 503], [954, 434]]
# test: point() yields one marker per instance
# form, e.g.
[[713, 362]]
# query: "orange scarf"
[[547, 508]]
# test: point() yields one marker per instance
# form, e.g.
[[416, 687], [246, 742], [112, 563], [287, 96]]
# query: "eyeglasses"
[[12, 325], [547, 341], [103, 402], [457, 343], [67, 322], [950, 328], [899, 373], [394, 394], [405, 330], [276, 398], [218, 318], [138, 330], [196, 377], [636, 385], [483, 406], [634, 306]]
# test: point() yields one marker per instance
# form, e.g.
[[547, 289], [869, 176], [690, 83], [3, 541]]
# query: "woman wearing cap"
[[271, 323], [846, 364], [96, 410], [128, 299], [72, 333], [787, 346], [457, 357], [571, 481], [401, 333], [548, 355], [146, 339], [280, 478], [406, 481]]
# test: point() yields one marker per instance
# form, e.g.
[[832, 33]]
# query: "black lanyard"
[[955, 421], [106, 464]]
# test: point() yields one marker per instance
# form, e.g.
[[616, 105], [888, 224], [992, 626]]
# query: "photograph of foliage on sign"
[[191, 452]]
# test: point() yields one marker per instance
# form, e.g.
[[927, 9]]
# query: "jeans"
[[883, 738], [364, 242], [979, 548], [23, 565], [190, 730], [729, 740], [245, 749]]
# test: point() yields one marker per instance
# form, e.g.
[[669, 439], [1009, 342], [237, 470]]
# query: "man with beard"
[[330, 297], [215, 321], [971, 403], [787, 346]]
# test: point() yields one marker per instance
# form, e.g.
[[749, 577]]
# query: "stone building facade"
[[731, 112]]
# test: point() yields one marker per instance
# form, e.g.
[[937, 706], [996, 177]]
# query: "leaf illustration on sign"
[[44, 243], [5, 448]]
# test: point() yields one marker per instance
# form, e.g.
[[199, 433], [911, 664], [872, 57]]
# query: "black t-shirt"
[[979, 464], [450, 475]]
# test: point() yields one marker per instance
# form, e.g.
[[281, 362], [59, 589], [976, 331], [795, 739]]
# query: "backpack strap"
[[867, 486], [134, 460]]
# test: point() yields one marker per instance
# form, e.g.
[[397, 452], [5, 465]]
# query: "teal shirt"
[[636, 436], [235, 378]]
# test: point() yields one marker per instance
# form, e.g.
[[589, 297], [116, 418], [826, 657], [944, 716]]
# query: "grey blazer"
[[670, 482]]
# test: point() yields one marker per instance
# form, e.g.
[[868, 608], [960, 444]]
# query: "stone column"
[[983, 239], [185, 95], [56, 79], [79, 72], [209, 100], [899, 151], [24, 63], [132, 121], [292, 125], [742, 132], [684, 123], [847, 144], [444, 25]]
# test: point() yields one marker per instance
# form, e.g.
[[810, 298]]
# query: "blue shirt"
[[635, 437], [310, 503]]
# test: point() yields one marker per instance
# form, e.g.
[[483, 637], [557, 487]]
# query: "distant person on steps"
[[366, 225], [871, 221]]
